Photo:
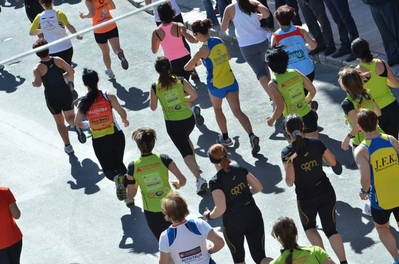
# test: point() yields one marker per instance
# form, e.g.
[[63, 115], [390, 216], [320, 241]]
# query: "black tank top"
[[53, 80]]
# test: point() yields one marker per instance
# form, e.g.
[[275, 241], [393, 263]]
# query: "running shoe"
[[110, 73], [120, 187], [199, 119], [86, 123], [81, 135], [254, 144], [201, 185], [124, 62], [314, 105], [129, 203], [68, 149], [1, 67], [224, 142]]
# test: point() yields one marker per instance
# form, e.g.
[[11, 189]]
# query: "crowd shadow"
[[207, 202], [205, 140], [71, 2], [13, 3], [86, 174], [135, 228], [135, 99], [344, 157], [278, 133], [235, 52], [9, 82]]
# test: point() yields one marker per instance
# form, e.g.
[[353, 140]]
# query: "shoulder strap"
[[154, 87], [171, 233], [156, 33], [192, 227]]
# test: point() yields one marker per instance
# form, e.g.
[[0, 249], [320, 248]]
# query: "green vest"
[[378, 86], [362, 102], [290, 86], [173, 102], [153, 178]]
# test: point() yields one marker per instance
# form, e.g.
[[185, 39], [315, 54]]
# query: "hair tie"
[[214, 160], [296, 133]]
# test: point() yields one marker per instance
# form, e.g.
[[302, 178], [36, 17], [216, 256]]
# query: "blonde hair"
[[352, 81]]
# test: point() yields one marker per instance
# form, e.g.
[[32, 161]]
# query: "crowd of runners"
[[370, 109]]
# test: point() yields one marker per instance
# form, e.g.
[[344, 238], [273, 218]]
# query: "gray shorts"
[[255, 57]]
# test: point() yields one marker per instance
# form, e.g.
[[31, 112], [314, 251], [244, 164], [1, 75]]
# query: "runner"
[[232, 188], [108, 138], [303, 165], [53, 73], [99, 12], [185, 241], [170, 90], [151, 172], [221, 82]]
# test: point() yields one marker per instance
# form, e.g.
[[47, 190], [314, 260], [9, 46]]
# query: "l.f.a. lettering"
[[385, 161]]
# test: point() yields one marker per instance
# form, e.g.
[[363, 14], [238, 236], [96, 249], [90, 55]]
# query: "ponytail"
[[285, 231], [294, 125], [166, 79], [90, 79], [218, 155]]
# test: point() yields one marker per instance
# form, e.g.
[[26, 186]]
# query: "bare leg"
[[62, 130], [338, 246], [69, 117], [220, 117], [387, 239], [192, 165], [266, 260], [234, 102], [116, 47], [106, 58], [314, 237]]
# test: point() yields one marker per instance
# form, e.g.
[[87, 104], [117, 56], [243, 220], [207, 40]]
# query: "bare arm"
[[69, 71], [192, 94], [164, 258], [78, 119], [15, 212], [329, 158], [90, 8], [308, 86], [289, 173], [329, 261], [272, 41], [392, 80], [395, 143], [362, 161], [220, 205], [308, 39], [73, 31], [111, 4], [227, 16], [354, 129], [118, 108], [263, 10], [217, 240], [203, 52], [175, 170], [188, 36], [153, 100], [37, 77], [155, 42], [278, 101], [254, 184]]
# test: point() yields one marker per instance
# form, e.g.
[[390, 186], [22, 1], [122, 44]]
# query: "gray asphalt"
[[69, 210]]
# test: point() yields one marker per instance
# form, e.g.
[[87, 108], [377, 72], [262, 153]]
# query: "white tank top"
[[247, 28]]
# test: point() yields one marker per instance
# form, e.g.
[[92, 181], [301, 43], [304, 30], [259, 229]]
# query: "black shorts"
[[310, 122], [178, 67], [66, 55], [156, 222], [102, 38], [388, 120], [381, 217], [60, 103], [322, 204], [179, 132]]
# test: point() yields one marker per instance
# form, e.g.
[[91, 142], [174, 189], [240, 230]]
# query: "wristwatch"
[[350, 136]]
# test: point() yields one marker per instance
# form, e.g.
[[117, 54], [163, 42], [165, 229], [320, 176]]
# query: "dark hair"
[[166, 13], [164, 68], [41, 42], [367, 120], [277, 59], [352, 81], [46, 3], [247, 6], [284, 15], [295, 123], [360, 47], [174, 207], [90, 79], [285, 231], [218, 154], [145, 138], [201, 26]]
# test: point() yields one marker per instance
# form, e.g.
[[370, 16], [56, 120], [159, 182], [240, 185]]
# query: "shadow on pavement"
[[137, 236], [86, 174], [9, 82], [135, 99], [344, 157], [207, 201], [71, 2]]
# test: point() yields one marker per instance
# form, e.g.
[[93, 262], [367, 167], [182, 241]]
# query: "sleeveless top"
[[174, 5], [290, 86], [173, 47], [101, 117], [53, 81], [247, 28], [102, 14], [294, 45], [217, 64], [153, 178], [174, 105], [384, 172], [52, 23], [378, 85]]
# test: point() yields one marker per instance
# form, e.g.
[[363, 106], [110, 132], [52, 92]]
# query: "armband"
[[337, 169], [364, 192], [127, 181]]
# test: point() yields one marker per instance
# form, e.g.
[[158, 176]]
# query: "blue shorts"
[[221, 93]]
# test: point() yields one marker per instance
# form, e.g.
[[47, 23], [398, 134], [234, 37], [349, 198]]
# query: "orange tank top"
[[100, 117], [102, 14]]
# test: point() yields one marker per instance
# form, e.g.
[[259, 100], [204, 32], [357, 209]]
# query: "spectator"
[[346, 27], [10, 234], [314, 13], [294, 4], [186, 235], [385, 14], [377, 159], [210, 12]]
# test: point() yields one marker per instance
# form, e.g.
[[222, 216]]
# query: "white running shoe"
[[367, 209], [201, 185], [110, 73], [68, 149], [224, 142]]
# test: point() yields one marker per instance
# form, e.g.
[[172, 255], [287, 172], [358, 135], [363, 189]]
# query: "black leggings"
[[66, 55], [109, 151], [156, 222], [322, 204], [388, 120], [179, 132], [11, 254]]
